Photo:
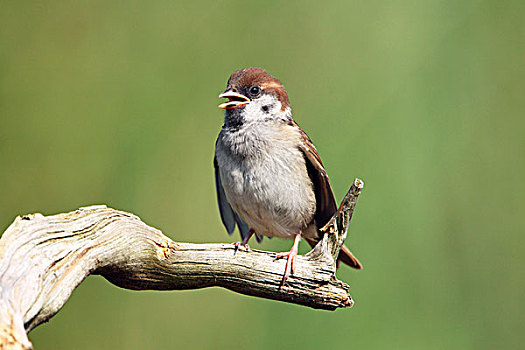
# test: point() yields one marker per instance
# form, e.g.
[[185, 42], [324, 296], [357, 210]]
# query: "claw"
[[241, 244], [244, 242]]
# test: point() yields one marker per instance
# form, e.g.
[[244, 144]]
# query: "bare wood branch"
[[43, 259]]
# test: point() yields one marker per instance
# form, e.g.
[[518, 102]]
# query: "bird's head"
[[254, 95]]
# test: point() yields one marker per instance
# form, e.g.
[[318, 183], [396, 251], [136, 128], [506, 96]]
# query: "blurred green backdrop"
[[115, 102]]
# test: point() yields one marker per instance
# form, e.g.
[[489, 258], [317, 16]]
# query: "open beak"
[[235, 99]]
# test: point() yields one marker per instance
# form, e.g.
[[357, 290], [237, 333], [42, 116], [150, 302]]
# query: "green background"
[[115, 102]]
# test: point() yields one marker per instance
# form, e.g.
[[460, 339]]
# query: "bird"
[[269, 177]]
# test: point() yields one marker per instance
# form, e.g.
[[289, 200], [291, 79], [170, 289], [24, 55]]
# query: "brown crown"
[[247, 77]]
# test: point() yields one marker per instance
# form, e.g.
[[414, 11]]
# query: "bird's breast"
[[266, 181]]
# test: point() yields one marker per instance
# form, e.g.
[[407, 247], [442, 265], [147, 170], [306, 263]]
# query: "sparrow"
[[269, 178]]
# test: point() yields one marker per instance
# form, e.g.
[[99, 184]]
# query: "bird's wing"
[[326, 205], [228, 216]]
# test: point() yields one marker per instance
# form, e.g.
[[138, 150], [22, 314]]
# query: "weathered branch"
[[43, 259]]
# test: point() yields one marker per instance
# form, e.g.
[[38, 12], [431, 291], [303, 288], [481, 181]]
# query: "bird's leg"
[[244, 242], [290, 256]]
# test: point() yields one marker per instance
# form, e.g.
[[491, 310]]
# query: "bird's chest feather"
[[265, 179]]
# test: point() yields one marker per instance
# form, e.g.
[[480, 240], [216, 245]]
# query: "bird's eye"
[[255, 90]]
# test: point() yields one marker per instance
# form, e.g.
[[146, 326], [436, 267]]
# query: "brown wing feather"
[[326, 205]]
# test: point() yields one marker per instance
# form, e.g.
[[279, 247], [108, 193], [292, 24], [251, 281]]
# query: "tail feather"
[[346, 256]]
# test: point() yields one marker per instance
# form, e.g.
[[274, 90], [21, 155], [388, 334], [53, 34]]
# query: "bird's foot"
[[290, 257], [244, 242], [290, 263], [241, 244]]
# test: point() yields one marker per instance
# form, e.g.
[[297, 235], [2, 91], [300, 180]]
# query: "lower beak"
[[235, 100]]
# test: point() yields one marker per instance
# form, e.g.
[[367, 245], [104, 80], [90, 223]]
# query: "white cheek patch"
[[277, 107], [255, 109]]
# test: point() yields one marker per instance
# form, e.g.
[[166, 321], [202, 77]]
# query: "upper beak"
[[235, 99]]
